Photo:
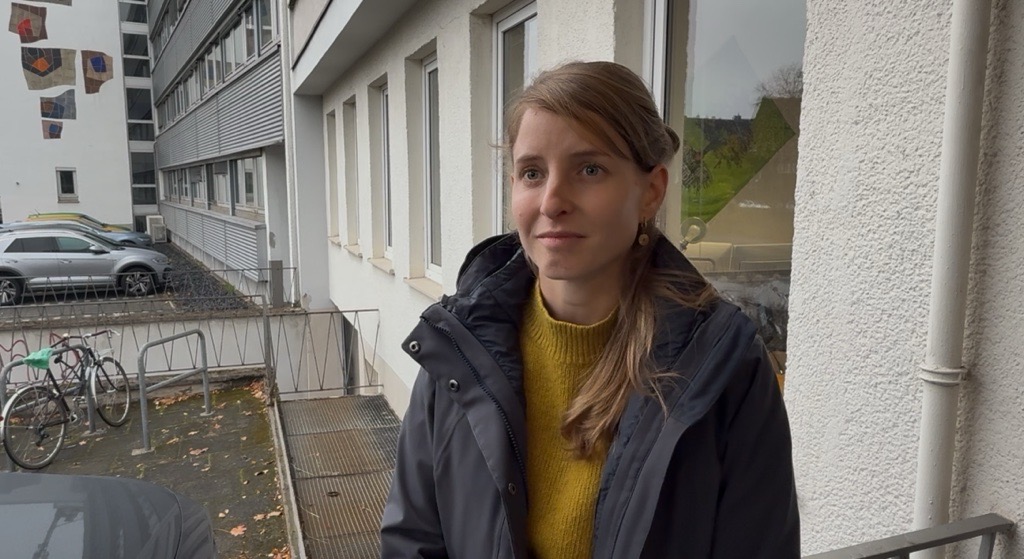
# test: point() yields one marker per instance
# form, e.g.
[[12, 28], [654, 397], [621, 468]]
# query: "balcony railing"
[[985, 526]]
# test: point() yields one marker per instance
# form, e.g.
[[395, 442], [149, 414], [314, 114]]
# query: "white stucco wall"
[[95, 143], [461, 31], [870, 144]]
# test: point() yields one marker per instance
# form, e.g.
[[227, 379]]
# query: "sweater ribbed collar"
[[565, 342]]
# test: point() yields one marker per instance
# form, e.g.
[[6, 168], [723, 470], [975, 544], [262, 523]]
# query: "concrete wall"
[[875, 75], [460, 31], [95, 143]]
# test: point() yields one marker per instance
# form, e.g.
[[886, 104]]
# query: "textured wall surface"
[[94, 143], [870, 145]]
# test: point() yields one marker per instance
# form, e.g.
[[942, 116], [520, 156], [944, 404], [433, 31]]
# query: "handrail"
[[202, 369], [986, 526]]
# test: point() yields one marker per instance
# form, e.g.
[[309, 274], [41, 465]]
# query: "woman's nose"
[[557, 197]]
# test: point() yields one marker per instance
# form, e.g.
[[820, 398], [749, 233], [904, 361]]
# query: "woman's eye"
[[531, 174], [591, 170]]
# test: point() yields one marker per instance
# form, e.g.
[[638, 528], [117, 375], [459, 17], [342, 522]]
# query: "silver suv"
[[57, 260]]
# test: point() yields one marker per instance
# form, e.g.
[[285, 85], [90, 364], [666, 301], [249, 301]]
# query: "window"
[[733, 86], [136, 67], [221, 179], [140, 132], [432, 161], [140, 106], [143, 195], [228, 50], [143, 168], [515, 51], [72, 244], [140, 223], [132, 12], [333, 218], [238, 40], [385, 172], [248, 187], [214, 65], [350, 139], [266, 21], [33, 244], [197, 185], [134, 44], [67, 185], [249, 23]]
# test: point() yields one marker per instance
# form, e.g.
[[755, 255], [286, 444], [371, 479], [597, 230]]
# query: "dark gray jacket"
[[714, 479]]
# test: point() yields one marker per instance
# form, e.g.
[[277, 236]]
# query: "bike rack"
[[5, 377], [202, 369]]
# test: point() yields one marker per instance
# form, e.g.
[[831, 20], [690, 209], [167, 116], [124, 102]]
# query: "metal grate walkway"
[[342, 454]]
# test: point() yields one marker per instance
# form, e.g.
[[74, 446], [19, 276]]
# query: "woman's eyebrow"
[[576, 155]]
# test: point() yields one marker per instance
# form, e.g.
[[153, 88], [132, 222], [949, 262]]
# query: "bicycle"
[[34, 421]]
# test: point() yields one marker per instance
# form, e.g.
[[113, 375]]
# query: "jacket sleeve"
[[411, 527], [757, 515]]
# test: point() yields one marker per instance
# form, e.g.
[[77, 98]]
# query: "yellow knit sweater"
[[562, 490]]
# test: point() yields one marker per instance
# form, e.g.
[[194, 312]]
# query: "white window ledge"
[[354, 250], [384, 265], [427, 287]]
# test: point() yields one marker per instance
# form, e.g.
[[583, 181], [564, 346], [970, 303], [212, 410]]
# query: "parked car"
[[74, 216], [49, 515], [59, 260], [131, 238]]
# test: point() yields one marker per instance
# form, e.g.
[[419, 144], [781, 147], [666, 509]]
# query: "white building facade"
[[64, 145], [811, 153]]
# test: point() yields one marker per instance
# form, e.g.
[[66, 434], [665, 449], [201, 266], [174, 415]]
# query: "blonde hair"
[[610, 102]]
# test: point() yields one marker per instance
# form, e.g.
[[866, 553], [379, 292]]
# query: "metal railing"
[[985, 526], [200, 369]]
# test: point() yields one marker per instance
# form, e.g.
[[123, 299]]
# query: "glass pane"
[[736, 73], [513, 78], [143, 168], [140, 107], [38, 244], [72, 244], [136, 67], [238, 38], [144, 195], [66, 181], [435, 169], [229, 55], [216, 61], [386, 171], [266, 22], [250, 181], [135, 13], [134, 44], [140, 132], [250, 32]]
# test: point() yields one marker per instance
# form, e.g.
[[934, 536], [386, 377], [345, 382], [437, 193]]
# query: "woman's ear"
[[654, 190]]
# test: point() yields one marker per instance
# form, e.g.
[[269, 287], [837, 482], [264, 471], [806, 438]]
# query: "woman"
[[585, 393]]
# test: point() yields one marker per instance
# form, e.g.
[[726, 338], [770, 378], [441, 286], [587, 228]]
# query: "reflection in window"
[[72, 244], [134, 13], [140, 132], [433, 170], [516, 62], [66, 184], [734, 75], [250, 32], [136, 67], [143, 168], [134, 44], [144, 195], [266, 22], [140, 106]]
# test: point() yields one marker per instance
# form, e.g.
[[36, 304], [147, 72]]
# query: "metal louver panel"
[[200, 18]]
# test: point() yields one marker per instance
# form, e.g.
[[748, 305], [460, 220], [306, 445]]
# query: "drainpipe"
[[943, 370]]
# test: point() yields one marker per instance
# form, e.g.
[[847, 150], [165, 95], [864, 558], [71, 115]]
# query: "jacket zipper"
[[483, 386]]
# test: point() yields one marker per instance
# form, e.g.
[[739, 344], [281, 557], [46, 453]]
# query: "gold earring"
[[643, 239]]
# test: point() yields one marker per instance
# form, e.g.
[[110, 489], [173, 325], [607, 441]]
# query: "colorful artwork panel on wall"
[[61, 106], [52, 129], [46, 68], [29, 22], [98, 69]]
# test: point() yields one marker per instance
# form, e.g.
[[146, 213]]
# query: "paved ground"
[[224, 462]]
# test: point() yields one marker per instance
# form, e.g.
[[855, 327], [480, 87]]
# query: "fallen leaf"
[[238, 530], [243, 438], [273, 514], [198, 451], [190, 433], [262, 472], [216, 425], [260, 516], [174, 440], [82, 443]]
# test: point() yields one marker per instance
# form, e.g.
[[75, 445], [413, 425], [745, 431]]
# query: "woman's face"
[[577, 207]]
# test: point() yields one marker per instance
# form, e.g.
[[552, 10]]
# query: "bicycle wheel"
[[110, 392], [34, 426]]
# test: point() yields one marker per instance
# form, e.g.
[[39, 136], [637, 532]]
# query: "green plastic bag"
[[39, 359]]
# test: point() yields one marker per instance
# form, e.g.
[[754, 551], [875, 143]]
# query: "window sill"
[[427, 287], [384, 265], [68, 200], [354, 250], [336, 241]]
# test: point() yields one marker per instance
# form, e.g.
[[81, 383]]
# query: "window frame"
[[504, 20], [430, 269], [385, 176], [61, 196]]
